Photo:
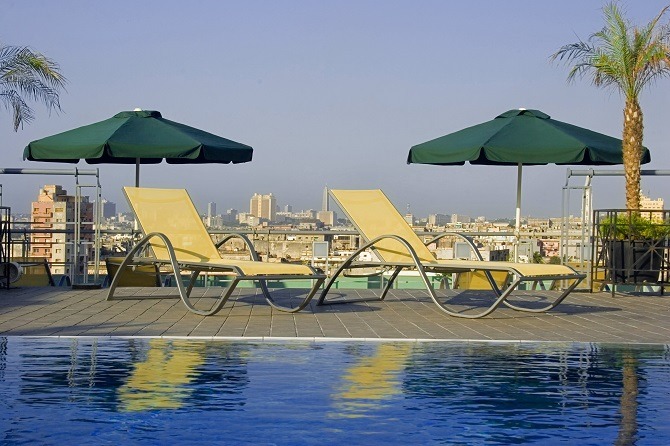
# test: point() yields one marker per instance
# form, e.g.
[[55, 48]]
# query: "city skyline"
[[210, 209], [322, 107]]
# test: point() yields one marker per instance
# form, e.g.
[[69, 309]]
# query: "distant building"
[[108, 209], [409, 218], [438, 220], [308, 214], [252, 220], [649, 204], [243, 217], [288, 208], [125, 217], [55, 210], [549, 247], [211, 215], [263, 206], [211, 209], [215, 221], [325, 204], [458, 218], [542, 223], [328, 218], [230, 216]]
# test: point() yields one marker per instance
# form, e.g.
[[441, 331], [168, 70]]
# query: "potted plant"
[[634, 244]]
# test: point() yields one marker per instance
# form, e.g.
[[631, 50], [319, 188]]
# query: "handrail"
[[23, 235]]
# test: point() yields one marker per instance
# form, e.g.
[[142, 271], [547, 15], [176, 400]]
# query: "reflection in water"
[[3, 357], [112, 391], [628, 425], [538, 382], [161, 380], [73, 378], [371, 380]]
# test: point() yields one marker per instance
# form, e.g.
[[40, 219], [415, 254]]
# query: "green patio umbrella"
[[137, 137], [521, 137]]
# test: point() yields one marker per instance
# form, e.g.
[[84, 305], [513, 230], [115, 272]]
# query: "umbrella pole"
[[517, 227], [137, 184]]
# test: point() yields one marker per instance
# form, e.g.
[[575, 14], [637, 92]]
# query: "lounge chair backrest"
[[171, 212], [373, 214]]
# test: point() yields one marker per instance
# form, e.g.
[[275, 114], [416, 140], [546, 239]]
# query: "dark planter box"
[[635, 261]]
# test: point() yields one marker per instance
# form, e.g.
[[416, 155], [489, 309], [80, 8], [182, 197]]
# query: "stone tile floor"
[[405, 314]]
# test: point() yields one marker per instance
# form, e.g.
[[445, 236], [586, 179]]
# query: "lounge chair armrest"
[[247, 241], [128, 260], [466, 238], [347, 263]]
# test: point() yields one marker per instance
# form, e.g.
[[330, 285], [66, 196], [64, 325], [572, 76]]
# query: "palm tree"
[[626, 58], [27, 76]]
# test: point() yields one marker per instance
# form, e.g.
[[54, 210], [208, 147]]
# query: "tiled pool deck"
[[405, 314]]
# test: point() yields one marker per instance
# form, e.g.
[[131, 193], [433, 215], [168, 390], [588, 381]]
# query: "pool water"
[[158, 391]]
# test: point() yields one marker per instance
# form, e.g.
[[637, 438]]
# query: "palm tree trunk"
[[628, 428], [632, 151]]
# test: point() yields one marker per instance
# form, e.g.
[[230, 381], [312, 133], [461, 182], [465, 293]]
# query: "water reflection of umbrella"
[[137, 137], [521, 137]]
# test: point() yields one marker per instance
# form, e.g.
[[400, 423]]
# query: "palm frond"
[[621, 55], [21, 111], [34, 89], [25, 73]]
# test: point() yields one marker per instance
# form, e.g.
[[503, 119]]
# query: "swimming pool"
[[158, 391]]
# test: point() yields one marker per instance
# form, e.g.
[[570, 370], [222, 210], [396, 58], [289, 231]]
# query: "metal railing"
[[270, 244], [631, 247]]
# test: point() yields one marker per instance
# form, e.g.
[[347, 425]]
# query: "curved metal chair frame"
[[179, 242], [245, 239], [197, 268], [422, 268], [473, 248]]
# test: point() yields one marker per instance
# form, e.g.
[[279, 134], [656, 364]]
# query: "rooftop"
[[404, 315]]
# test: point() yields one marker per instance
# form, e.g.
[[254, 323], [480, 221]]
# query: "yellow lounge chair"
[[178, 239], [397, 246]]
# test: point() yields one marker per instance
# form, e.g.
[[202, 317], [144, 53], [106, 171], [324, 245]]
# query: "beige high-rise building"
[[263, 206], [55, 210]]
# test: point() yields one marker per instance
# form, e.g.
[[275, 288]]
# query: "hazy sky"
[[327, 93]]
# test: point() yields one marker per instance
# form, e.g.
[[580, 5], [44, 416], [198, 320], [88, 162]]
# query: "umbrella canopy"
[[528, 137], [522, 137], [137, 137]]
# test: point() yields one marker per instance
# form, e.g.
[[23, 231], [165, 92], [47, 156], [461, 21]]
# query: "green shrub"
[[632, 226]]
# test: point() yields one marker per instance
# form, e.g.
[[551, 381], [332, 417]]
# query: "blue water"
[[142, 391]]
